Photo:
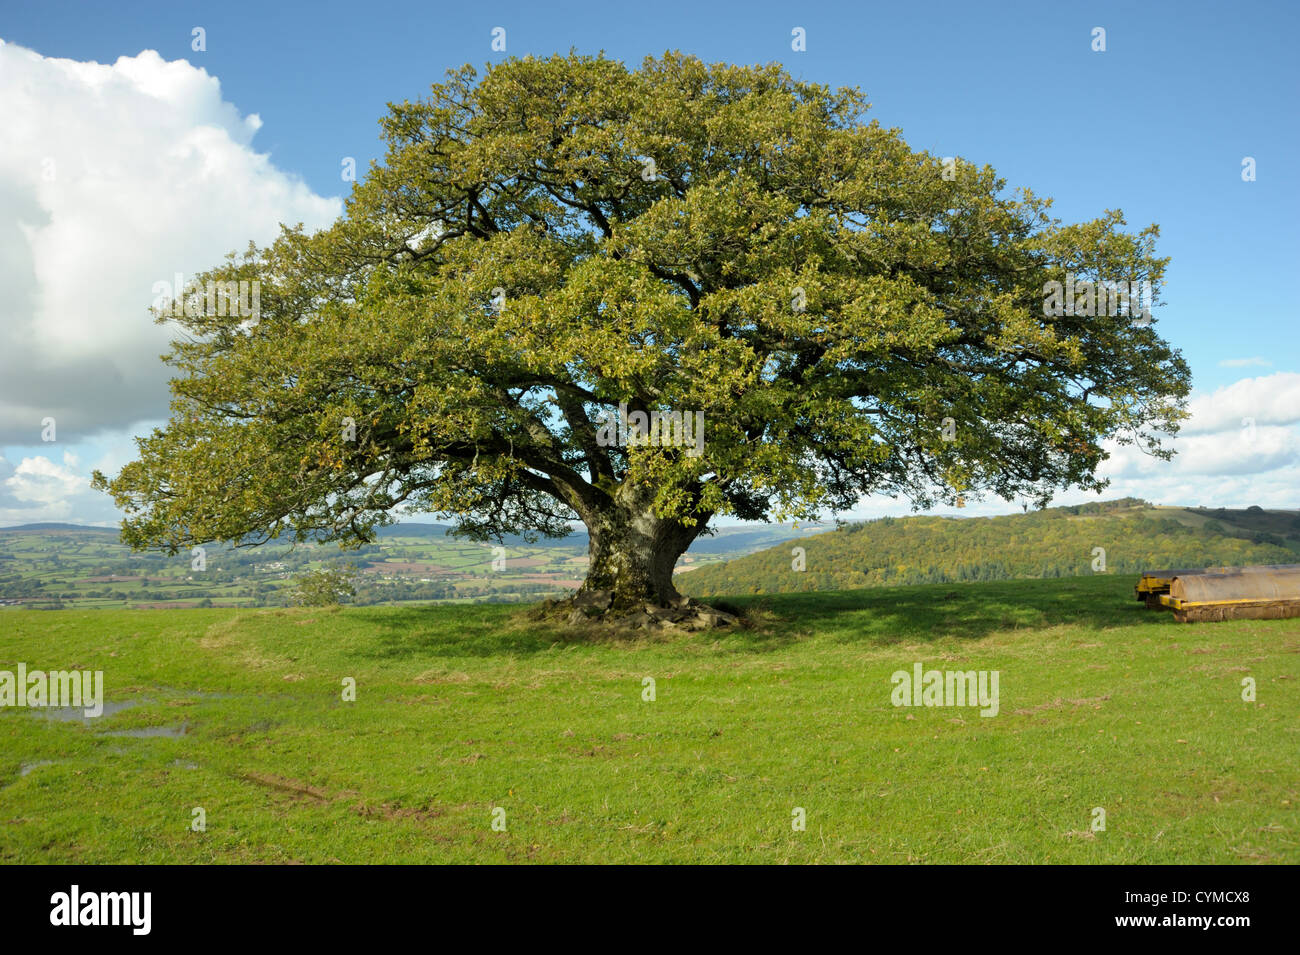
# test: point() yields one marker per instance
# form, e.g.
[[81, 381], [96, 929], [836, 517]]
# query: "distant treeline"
[[1056, 542]]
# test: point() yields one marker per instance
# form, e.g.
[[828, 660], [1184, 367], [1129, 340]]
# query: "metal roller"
[[1255, 584], [1260, 592]]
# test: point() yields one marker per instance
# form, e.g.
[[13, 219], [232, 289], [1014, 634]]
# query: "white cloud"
[[38, 489], [1267, 400], [1241, 446], [41, 481], [112, 178], [1232, 451]]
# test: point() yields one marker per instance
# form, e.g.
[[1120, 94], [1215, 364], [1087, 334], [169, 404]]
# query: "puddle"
[[77, 714], [26, 768], [184, 765], [66, 714], [152, 732]]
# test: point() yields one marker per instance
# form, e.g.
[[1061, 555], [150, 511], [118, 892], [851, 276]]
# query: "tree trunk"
[[630, 576], [632, 560]]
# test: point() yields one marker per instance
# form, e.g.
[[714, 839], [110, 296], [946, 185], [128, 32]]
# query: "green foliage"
[[328, 586], [565, 235]]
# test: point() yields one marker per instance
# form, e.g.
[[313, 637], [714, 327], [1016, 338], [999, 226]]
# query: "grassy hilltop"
[[461, 710], [1052, 543]]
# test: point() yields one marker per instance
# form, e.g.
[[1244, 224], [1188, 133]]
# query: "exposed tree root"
[[596, 609]]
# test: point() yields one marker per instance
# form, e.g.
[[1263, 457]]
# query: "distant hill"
[[53, 566], [51, 526], [740, 538], [751, 537], [439, 532], [1056, 542], [725, 540], [412, 530]]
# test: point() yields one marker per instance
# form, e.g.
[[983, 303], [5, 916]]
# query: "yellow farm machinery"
[[1262, 592]]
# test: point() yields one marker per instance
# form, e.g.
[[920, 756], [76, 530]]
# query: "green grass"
[[462, 709]]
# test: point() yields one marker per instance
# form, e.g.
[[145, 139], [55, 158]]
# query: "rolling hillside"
[[1056, 542], [64, 566]]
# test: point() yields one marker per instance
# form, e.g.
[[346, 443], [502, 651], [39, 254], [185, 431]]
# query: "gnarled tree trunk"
[[630, 576], [632, 559]]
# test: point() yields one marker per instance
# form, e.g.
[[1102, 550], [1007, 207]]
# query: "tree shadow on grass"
[[881, 617], [889, 616], [458, 631]]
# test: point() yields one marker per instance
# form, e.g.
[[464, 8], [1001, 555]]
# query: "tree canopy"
[[565, 239]]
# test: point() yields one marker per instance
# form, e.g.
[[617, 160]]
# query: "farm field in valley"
[[70, 567]]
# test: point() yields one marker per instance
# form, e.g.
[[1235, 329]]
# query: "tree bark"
[[629, 583], [632, 559]]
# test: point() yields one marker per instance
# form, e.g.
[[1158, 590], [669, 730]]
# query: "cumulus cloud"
[[1266, 400], [112, 178], [1248, 450], [1241, 446], [49, 484], [39, 488], [42, 482]]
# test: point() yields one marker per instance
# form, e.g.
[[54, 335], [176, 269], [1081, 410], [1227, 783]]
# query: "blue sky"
[[1157, 125]]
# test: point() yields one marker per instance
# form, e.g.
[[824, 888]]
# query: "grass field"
[[461, 710]]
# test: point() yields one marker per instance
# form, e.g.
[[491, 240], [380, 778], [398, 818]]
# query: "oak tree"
[[554, 252]]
